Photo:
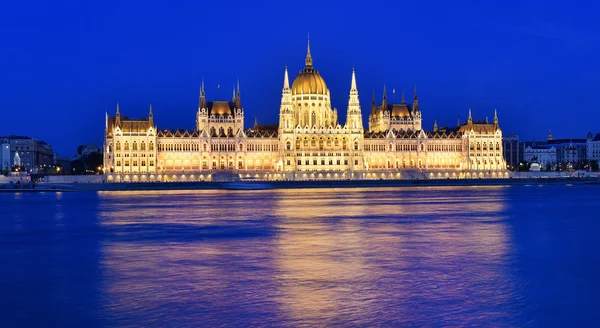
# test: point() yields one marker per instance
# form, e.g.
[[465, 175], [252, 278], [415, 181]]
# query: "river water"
[[520, 256]]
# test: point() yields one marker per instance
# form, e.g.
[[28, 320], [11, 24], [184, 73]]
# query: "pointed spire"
[[308, 55], [118, 116], [403, 102], [353, 87], [202, 101], [470, 119], [286, 80], [238, 98], [255, 123], [233, 94], [416, 101], [373, 104], [458, 122], [384, 106], [151, 117], [435, 127]]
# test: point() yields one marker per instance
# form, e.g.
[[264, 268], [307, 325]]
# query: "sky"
[[65, 64]]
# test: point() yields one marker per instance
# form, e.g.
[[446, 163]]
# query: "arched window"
[[313, 119], [288, 145], [126, 145], [241, 146], [134, 145], [118, 146], [355, 145], [142, 146], [151, 146]]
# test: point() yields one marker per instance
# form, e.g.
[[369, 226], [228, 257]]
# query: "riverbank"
[[256, 185]]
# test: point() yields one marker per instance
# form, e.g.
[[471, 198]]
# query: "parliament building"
[[309, 143]]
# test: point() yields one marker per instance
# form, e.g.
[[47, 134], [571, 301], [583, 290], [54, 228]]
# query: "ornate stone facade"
[[309, 143]]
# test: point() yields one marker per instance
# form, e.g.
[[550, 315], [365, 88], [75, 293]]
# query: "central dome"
[[309, 81]]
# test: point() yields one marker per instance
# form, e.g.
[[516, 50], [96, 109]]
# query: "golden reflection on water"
[[311, 257]]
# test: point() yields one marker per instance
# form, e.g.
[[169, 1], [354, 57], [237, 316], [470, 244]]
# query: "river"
[[512, 256]]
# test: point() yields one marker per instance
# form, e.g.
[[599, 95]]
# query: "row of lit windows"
[[135, 163], [322, 154], [324, 162], [134, 155], [485, 146], [134, 146]]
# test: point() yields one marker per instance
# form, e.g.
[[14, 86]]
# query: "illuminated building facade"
[[309, 143]]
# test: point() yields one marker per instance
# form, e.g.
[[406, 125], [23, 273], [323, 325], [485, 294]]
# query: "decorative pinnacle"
[[308, 55]]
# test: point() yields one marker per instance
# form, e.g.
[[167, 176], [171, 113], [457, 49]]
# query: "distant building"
[[571, 152], [511, 151], [5, 159], [86, 150], [64, 161], [543, 154], [30, 152], [593, 147]]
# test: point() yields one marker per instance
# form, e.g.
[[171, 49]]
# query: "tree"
[[594, 165], [524, 166]]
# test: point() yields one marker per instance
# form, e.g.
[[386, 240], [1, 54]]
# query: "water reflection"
[[307, 257]]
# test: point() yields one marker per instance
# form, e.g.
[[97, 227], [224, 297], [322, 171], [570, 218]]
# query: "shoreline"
[[261, 185]]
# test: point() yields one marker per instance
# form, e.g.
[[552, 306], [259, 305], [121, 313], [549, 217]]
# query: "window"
[[134, 145], [142, 146], [151, 163], [126, 145], [151, 146], [143, 163], [118, 145]]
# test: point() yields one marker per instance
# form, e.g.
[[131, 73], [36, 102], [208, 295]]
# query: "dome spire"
[[353, 86], [308, 56]]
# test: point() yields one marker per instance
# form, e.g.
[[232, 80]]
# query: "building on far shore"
[[511, 153], [542, 154], [309, 143], [571, 153], [30, 152], [593, 147]]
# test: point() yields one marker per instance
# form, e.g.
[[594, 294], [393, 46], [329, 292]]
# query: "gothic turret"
[[238, 98], [416, 102], [151, 117], [118, 116], [354, 115], [202, 101], [373, 105], [384, 106]]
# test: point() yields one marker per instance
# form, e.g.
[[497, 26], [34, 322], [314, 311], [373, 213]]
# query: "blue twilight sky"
[[63, 64]]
